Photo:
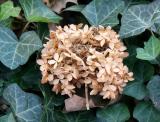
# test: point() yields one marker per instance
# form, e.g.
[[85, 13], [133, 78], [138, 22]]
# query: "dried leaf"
[[76, 103], [60, 4]]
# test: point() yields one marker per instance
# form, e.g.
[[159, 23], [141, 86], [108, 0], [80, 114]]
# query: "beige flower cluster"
[[78, 55]]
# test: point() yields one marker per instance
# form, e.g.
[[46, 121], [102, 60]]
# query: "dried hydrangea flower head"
[[79, 55]]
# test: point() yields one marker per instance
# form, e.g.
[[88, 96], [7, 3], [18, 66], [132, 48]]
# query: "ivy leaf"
[[86, 116], [135, 89], [138, 18], [7, 9], [7, 118], [26, 106], [103, 12], [50, 100], [6, 23], [36, 11], [154, 90], [151, 51], [42, 30], [129, 3], [145, 112], [114, 113], [48, 115], [77, 8], [2, 86], [13, 52], [131, 59], [142, 71], [51, 97]]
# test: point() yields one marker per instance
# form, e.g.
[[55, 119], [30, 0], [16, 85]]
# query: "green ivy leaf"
[[77, 8], [48, 115], [7, 118], [114, 113], [13, 52], [36, 11], [131, 59], [129, 3], [138, 18], [2, 85], [103, 12], [135, 89], [50, 100], [151, 51], [26, 106], [7, 9], [154, 90], [42, 30], [145, 112], [142, 71], [86, 116], [51, 97], [6, 23]]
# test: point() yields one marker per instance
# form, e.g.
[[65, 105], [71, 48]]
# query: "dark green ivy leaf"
[[154, 90], [50, 100], [145, 112], [36, 11], [135, 89], [115, 113], [86, 116], [143, 71], [42, 30], [131, 59]]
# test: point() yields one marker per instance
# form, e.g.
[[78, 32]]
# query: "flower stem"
[[86, 94]]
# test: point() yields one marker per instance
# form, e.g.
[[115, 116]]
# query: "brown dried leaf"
[[52, 26], [60, 4], [76, 103]]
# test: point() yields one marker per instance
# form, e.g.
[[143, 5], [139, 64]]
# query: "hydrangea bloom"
[[78, 55]]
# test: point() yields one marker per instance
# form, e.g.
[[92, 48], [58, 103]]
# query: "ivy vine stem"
[[25, 27]]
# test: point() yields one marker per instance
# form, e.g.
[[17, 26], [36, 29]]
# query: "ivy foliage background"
[[24, 24]]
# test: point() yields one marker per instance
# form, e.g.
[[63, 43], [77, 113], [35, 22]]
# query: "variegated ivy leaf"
[[14, 52], [26, 106], [129, 3], [138, 18], [7, 9], [151, 51], [36, 11], [103, 12]]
